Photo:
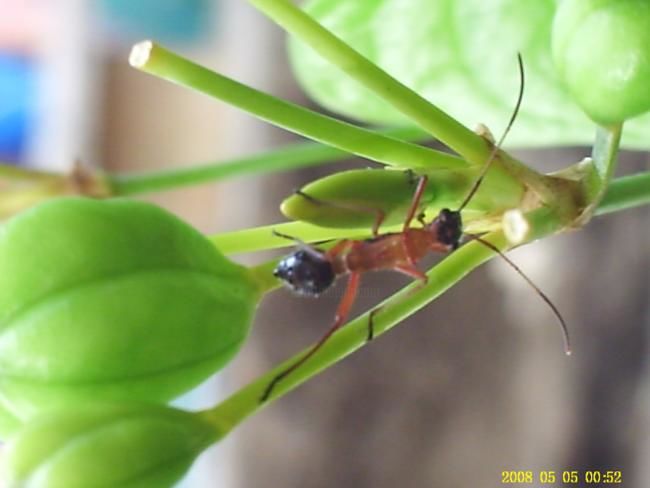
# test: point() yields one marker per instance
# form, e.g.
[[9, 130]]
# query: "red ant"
[[310, 271]]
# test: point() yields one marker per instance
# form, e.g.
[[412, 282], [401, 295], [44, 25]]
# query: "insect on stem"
[[310, 271]]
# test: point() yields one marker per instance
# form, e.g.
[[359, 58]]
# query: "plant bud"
[[602, 52], [105, 445], [112, 300]]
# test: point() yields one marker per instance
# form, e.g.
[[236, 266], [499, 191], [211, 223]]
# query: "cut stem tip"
[[140, 54]]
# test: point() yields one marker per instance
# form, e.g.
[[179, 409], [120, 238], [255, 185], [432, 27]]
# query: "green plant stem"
[[426, 115], [605, 151], [293, 156], [11, 172], [626, 192], [262, 238], [262, 274], [604, 155], [156, 60]]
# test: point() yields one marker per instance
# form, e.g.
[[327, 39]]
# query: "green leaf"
[[113, 300], [130, 446], [461, 55]]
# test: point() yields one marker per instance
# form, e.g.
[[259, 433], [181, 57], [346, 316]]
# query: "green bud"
[[112, 300], [602, 51], [126, 446], [351, 199]]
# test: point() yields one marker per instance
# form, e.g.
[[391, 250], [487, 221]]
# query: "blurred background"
[[475, 384]]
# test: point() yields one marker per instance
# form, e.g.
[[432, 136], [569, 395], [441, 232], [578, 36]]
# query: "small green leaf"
[[461, 55], [113, 300], [126, 446]]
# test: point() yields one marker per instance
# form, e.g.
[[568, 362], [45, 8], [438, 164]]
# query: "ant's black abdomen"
[[307, 272]]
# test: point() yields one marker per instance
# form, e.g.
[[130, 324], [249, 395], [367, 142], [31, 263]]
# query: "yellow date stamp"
[[565, 477]]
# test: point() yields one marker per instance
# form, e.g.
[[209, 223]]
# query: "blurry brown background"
[[475, 384]]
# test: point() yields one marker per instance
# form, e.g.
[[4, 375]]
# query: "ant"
[[310, 271]]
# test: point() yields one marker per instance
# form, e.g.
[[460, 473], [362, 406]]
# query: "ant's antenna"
[[380, 215], [497, 146], [477, 184], [543, 296], [298, 242]]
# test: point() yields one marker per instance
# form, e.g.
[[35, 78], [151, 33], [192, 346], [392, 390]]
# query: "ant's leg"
[[371, 322], [341, 315], [380, 215], [378, 221], [411, 271], [339, 248], [288, 237], [415, 203]]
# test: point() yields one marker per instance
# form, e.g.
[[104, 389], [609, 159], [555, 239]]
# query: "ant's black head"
[[305, 272], [450, 227]]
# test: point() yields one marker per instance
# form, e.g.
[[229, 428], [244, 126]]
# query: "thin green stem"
[[452, 133], [293, 156], [12, 172], [605, 151], [626, 192], [604, 155], [156, 60], [262, 238], [262, 274]]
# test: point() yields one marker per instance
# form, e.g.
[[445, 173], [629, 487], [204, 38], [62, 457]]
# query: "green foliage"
[[126, 446], [121, 302], [460, 54], [602, 52], [112, 300]]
